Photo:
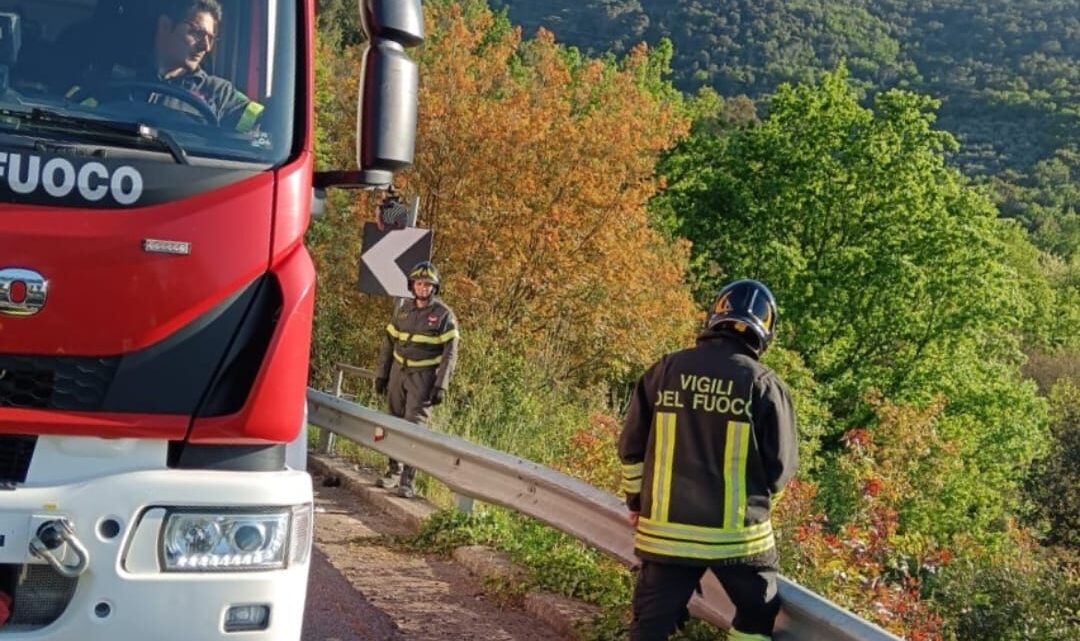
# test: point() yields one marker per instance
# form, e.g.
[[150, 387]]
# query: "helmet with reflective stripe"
[[426, 272], [748, 307]]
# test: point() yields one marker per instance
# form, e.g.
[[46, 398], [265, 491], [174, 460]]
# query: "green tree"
[[891, 272], [872, 243], [341, 20]]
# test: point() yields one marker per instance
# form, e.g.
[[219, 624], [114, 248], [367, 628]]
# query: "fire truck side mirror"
[[386, 113], [386, 120], [399, 20], [387, 96]]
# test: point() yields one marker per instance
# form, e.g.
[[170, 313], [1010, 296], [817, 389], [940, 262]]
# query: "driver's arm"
[[236, 111]]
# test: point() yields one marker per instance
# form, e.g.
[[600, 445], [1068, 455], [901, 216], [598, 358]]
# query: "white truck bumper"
[[123, 594]]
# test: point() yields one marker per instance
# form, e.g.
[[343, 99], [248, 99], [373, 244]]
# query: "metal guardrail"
[[326, 439], [567, 504]]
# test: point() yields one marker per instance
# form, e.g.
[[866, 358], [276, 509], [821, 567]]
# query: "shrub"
[[1027, 592], [1054, 483]]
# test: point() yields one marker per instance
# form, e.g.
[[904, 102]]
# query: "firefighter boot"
[[392, 477], [405, 489]]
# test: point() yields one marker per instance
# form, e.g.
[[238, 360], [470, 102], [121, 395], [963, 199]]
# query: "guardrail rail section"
[[567, 504]]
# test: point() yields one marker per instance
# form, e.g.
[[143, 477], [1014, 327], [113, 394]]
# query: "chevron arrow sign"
[[387, 256]]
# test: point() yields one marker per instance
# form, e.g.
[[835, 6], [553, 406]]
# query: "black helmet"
[[425, 271], [745, 305]]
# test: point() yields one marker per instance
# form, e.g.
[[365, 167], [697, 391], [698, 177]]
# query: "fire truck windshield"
[[186, 81]]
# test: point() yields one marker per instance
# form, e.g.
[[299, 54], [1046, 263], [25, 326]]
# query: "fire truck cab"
[[156, 301]]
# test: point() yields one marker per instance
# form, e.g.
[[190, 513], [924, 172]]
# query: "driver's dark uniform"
[[232, 108]]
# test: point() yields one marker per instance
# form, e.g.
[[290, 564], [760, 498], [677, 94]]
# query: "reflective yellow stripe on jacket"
[[405, 337], [408, 362], [661, 473], [699, 542], [631, 477], [657, 534], [735, 452], [423, 339], [441, 339], [250, 115]]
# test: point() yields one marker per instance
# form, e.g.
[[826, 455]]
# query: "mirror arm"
[[352, 179]]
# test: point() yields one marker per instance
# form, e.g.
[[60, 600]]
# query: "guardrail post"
[[326, 438], [464, 503]]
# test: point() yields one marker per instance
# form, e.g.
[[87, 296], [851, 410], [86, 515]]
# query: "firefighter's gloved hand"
[[380, 386], [437, 395]]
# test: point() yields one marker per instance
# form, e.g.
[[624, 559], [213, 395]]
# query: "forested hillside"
[[1007, 71]]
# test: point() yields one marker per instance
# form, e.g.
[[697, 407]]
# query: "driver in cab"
[[185, 33]]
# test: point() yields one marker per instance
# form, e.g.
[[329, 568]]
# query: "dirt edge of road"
[[561, 614]]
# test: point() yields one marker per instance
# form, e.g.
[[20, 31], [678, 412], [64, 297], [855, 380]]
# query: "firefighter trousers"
[[663, 592], [409, 395]]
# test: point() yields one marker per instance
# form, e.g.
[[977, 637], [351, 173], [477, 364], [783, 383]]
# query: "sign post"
[[388, 252]]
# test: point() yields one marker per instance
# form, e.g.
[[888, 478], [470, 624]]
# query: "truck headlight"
[[224, 541]]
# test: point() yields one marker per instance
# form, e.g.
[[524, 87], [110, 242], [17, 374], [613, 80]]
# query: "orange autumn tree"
[[533, 166]]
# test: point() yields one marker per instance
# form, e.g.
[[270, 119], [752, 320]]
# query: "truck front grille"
[[15, 454], [55, 382], [39, 595]]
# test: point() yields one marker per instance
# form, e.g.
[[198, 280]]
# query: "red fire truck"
[[156, 301]]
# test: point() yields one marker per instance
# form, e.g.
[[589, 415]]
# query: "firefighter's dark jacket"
[[421, 338], [709, 443]]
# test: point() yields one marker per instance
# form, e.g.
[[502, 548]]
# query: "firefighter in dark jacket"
[[708, 446], [416, 362]]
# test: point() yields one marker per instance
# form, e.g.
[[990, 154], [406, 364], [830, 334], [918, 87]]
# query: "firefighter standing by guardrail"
[[416, 362], [708, 446]]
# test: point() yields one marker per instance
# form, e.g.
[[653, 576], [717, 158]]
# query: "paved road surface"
[[337, 612], [363, 587]]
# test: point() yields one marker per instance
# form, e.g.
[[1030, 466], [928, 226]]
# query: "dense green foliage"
[[1007, 70], [874, 246], [1024, 593]]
